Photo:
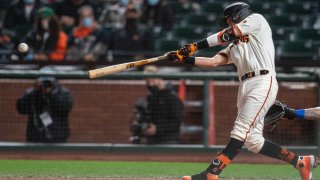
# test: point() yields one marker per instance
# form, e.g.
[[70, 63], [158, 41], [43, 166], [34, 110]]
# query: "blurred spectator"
[[21, 16], [113, 14], [188, 6], [88, 41], [47, 105], [158, 13], [131, 39], [6, 45], [68, 12], [317, 22], [47, 41], [162, 113]]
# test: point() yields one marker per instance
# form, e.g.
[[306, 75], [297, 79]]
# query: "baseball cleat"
[[201, 176], [305, 166]]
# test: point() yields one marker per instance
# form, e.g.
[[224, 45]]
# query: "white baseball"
[[23, 47]]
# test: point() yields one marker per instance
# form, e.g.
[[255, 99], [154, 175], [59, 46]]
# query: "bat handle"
[[164, 57]]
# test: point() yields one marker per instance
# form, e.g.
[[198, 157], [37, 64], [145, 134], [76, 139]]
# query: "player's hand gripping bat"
[[121, 67]]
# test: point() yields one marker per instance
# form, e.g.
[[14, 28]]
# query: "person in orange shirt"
[[88, 41], [47, 41]]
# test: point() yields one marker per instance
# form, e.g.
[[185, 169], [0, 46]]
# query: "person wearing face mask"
[[129, 41], [165, 111], [88, 41], [68, 12], [21, 16], [158, 13], [47, 41]]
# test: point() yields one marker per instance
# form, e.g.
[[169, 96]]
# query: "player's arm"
[[219, 59], [309, 114], [220, 38]]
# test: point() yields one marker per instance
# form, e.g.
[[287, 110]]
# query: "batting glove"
[[174, 56], [188, 50]]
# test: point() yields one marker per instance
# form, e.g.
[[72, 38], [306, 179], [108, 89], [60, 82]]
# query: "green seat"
[[201, 20], [189, 33], [295, 49], [297, 8], [288, 21], [262, 8], [281, 33], [212, 7], [308, 21], [306, 34], [167, 45]]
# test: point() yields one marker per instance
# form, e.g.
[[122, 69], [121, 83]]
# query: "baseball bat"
[[95, 73]]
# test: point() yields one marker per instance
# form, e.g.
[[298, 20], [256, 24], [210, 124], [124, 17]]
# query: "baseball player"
[[251, 49], [279, 111]]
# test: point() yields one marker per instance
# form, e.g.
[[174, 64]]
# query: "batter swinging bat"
[[121, 67]]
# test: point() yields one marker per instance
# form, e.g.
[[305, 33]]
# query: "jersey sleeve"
[[250, 25], [226, 53]]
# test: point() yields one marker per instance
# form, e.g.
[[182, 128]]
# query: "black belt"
[[253, 74]]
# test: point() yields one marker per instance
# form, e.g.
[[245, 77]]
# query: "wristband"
[[300, 113], [190, 60], [202, 44]]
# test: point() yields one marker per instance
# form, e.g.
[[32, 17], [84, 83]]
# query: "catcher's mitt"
[[275, 114]]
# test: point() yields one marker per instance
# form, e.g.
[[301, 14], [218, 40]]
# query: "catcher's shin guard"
[[305, 166]]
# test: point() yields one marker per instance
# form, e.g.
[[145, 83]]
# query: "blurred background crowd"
[[108, 31]]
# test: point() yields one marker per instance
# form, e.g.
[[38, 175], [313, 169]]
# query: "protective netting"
[[103, 111]]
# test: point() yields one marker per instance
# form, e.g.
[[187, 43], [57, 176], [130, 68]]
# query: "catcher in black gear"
[[279, 111]]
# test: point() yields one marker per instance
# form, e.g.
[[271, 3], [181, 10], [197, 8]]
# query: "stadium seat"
[[194, 33], [212, 7], [308, 21], [305, 34], [288, 21], [262, 8], [281, 33], [201, 19], [167, 45], [297, 8], [189, 32], [295, 49]]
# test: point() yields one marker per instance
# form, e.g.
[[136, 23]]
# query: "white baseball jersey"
[[254, 50]]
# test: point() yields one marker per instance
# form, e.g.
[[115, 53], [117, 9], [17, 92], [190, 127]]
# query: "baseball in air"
[[23, 47]]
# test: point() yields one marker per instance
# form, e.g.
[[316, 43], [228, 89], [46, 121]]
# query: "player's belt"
[[253, 74]]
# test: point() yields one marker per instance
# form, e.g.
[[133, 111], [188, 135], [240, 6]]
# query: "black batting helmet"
[[236, 12]]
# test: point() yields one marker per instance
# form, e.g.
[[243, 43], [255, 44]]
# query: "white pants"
[[255, 96]]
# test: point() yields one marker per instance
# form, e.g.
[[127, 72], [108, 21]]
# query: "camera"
[[140, 122]]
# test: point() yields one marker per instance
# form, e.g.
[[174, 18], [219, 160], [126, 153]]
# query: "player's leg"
[[220, 162], [256, 143], [249, 108], [304, 164]]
